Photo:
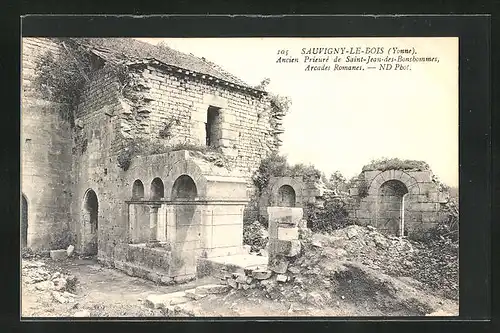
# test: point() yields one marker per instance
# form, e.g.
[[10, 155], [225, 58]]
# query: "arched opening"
[[137, 190], [187, 222], [184, 188], [390, 206], [286, 196], [24, 222], [90, 223], [157, 189]]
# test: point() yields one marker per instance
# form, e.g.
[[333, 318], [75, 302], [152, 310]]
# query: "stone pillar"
[[153, 223], [162, 224], [170, 225], [283, 236]]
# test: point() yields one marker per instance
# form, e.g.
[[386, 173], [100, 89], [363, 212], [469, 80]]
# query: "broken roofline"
[[178, 70], [205, 77]]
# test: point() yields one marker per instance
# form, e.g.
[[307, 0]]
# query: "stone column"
[[162, 224], [283, 236], [153, 223], [171, 225]]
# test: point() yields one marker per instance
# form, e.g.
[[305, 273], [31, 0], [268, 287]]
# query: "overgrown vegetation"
[[166, 131], [384, 164], [62, 79], [144, 147], [280, 106], [337, 182], [447, 228], [253, 235], [277, 165], [331, 216]]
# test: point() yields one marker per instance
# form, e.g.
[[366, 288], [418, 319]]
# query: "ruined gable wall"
[[245, 125], [46, 177]]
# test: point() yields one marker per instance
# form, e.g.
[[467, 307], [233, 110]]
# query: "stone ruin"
[[163, 215], [292, 192], [86, 180], [398, 202]]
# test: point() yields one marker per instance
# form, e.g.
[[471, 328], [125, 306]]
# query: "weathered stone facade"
[[291, 192], [385, 199], [46, 159], [77, 193]]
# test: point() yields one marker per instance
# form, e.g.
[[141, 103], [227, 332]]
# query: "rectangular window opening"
[[212, 127]]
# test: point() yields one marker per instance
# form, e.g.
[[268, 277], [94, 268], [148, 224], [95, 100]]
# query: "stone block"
[[289, 248], [288, 234], [161, 301], [261, 274], [281, 278], [227, 235], [241, 278], [443, 197], [211, 289], [70, 250], [232, 283], [278, 264], [58, 254], [285, 215], [229, 134], [191, 293], [422, 176]]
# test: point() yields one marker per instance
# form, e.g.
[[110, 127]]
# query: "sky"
[[341, 120]]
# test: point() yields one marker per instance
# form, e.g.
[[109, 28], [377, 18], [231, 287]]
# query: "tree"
[[337, 182]]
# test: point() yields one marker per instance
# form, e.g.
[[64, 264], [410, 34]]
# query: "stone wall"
[[64, 166], [46, 174], [97, 142], [294, 191], [183, 101], [381, 204]]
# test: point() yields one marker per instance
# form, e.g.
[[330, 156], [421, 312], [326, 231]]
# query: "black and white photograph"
[[239, 177]]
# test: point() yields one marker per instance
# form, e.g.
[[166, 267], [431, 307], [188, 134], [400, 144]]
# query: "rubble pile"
[[41, 278], [435, 265], [316, 275]]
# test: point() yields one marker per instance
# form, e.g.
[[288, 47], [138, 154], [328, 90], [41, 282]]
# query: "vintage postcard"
[[237, 177]]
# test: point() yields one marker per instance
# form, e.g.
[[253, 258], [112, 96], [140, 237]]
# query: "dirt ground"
[[105, 292], [354, 271]]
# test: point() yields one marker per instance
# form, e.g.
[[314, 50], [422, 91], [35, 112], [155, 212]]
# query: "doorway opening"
[[90, 222]]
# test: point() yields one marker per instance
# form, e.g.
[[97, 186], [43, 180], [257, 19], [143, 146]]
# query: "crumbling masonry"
[[155, 216]]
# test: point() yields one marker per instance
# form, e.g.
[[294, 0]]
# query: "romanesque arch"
[[390, 206], [409, 181], [137, 190], [393, 191], [157, 189], [184, 188], [286, 196], [286, 191]]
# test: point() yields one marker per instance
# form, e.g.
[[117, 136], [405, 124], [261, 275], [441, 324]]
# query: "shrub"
[[384, 164], [166, 131], [276, 165], [140, 146], [363, 188], [333, 215], [253, 236]]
